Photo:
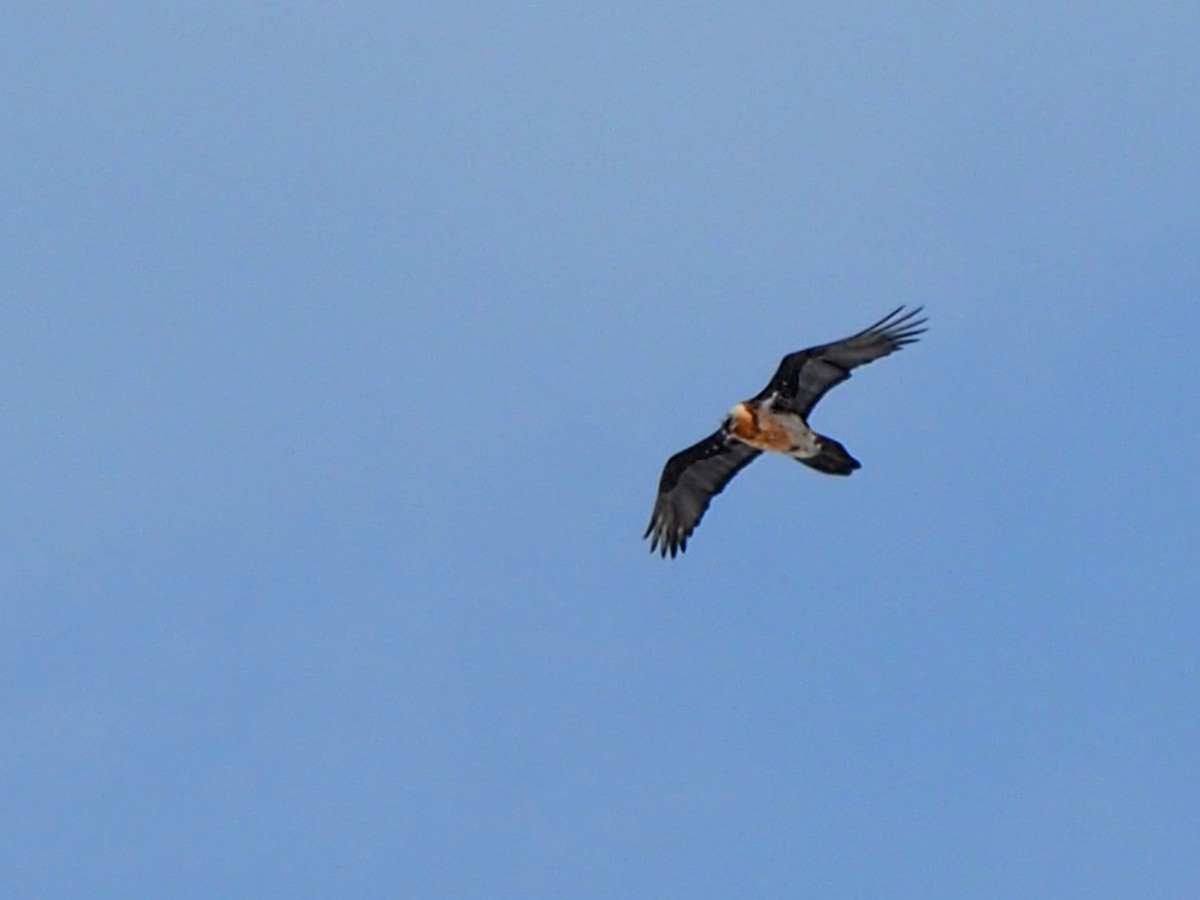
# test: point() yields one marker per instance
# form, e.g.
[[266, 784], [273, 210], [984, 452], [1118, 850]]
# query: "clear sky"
[[342, 345]]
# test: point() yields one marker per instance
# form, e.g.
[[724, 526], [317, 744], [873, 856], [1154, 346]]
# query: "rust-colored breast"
[[760, 429]]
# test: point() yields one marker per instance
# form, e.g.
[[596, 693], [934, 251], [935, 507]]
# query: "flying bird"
[[776, 420]]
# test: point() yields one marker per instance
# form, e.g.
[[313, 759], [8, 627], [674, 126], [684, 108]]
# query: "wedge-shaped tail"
[[833, 458]]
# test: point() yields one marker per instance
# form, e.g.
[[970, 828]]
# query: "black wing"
[[804, 377], [690, 479]]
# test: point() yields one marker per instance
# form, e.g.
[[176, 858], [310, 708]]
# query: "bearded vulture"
[[775, 420]]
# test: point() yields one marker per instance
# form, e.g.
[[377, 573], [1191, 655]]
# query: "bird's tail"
[[833, 458]]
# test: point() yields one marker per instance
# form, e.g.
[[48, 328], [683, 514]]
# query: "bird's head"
[[739, 420]]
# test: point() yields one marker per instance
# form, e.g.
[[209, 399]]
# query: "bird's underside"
[[774, 421]]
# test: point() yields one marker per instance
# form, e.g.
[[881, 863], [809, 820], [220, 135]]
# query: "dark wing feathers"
[[804, 377], [690, 479]]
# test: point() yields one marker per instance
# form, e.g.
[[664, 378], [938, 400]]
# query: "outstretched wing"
[[690, 479], [803, 377]]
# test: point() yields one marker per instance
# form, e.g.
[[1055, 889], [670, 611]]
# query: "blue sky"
[[343, 344]]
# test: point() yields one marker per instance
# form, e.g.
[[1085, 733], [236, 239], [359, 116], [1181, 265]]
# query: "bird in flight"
[[775, 420]]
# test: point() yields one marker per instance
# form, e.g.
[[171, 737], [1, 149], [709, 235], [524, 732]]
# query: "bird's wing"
[[690, 479], [803, 377]]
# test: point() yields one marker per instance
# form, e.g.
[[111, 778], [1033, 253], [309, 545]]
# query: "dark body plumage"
[[773, 420]]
